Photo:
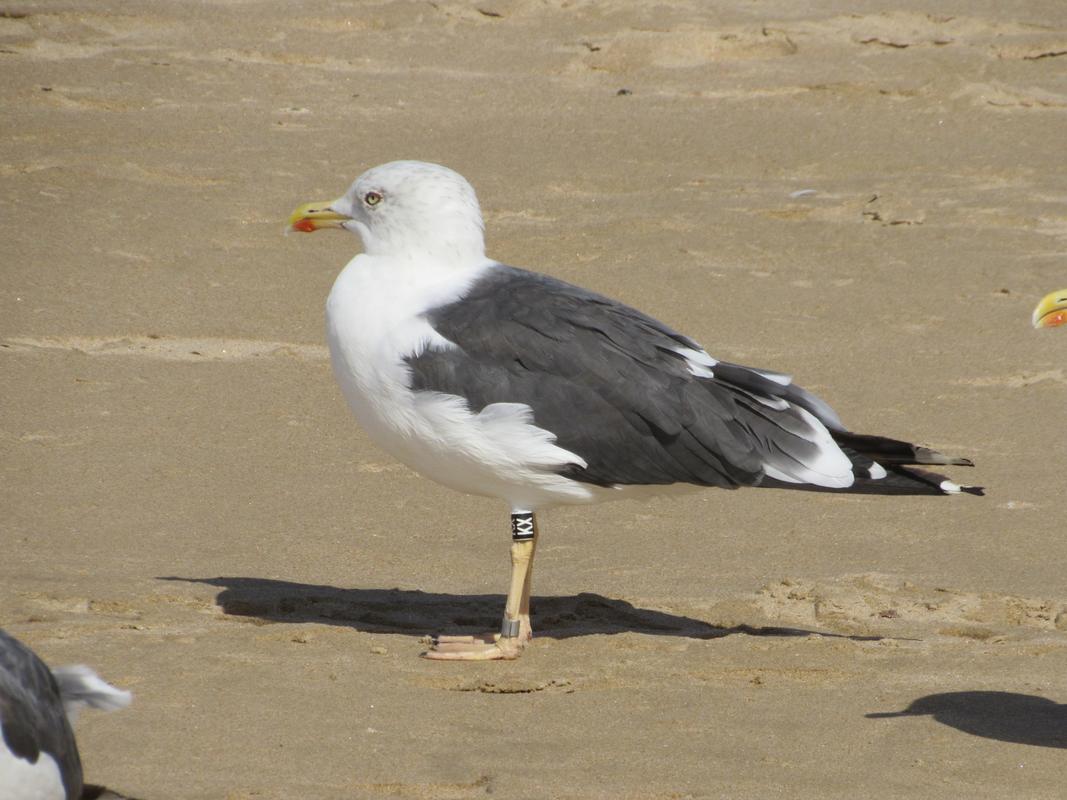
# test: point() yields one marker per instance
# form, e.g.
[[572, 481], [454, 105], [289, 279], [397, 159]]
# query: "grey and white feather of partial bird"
[[39, 757], [503, 382]]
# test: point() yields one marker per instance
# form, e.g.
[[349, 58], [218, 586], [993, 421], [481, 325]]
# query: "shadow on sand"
[[419, 613], [91, 791], [1005, 716]]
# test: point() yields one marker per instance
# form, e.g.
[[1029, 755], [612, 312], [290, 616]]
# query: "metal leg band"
[[522, 526], [509, 628]]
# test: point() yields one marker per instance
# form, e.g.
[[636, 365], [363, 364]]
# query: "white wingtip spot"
[[698, 362], [777, 377], [876, 471], [948, 487]]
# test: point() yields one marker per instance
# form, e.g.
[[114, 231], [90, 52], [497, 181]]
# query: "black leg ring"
[[522, 526]]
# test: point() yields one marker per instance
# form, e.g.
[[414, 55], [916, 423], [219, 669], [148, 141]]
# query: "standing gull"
[[501, 382]]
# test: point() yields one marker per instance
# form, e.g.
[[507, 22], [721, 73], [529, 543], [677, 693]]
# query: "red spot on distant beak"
[[304, 226], [1052, 320]]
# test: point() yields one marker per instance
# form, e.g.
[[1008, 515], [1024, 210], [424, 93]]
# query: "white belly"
[[21, 780], [373, 321]]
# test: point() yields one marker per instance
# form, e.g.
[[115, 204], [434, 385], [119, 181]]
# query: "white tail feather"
[[80, 687]]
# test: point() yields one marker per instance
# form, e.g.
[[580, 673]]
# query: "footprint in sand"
[[1002, 96], [683, 48], [880, 603], [1018, 381], [165, 348]]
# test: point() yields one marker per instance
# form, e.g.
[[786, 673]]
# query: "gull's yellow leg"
[[526, 632], [515, 630]]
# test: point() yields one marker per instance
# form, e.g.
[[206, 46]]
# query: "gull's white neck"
[[424, 264], [425, 241], [377, 302], [414, 274]]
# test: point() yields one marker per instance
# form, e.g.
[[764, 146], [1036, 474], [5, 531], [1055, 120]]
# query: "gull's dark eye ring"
[[372, 198]]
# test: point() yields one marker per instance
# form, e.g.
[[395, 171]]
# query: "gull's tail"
[[80, 687], [888, 466]]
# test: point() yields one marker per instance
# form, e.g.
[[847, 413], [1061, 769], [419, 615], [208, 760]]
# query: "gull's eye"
[[372, 198]]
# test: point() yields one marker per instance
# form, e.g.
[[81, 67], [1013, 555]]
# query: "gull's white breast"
[[374, 320]]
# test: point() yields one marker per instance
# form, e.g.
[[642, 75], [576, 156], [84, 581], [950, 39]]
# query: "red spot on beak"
[[304, 226]]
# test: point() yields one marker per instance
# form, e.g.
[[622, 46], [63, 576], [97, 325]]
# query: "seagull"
[[38, 755], [1051, 311], [506, 383]]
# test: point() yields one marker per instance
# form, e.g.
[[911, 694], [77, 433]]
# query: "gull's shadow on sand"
[[419, 613], [91, 791], [1005, 716]]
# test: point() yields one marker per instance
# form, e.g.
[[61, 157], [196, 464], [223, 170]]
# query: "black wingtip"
[[978, 490], [924, 455]]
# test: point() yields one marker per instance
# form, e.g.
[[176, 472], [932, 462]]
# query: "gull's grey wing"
[[618, 388]]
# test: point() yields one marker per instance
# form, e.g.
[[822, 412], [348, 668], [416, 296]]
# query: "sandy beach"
[[870, 196]]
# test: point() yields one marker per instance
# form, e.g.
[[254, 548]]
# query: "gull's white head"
[[405, 209]]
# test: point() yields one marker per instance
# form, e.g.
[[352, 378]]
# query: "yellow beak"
[[312, 216], [1052, 310]]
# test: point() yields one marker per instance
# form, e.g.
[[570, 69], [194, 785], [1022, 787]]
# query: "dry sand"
[[188, 507]]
